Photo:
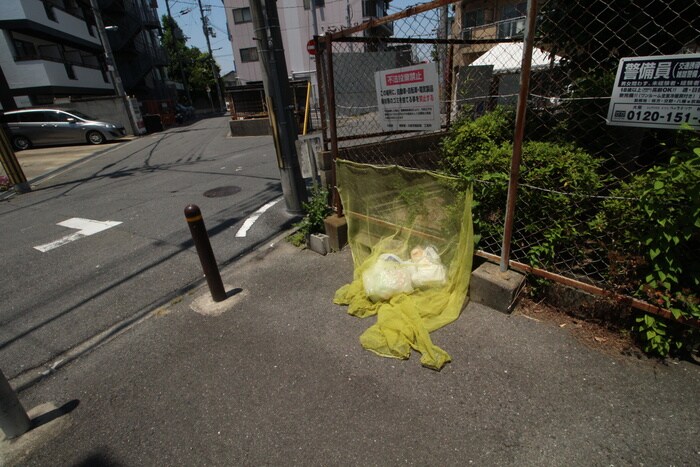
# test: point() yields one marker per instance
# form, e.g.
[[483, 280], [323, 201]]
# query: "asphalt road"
[[58, 299]]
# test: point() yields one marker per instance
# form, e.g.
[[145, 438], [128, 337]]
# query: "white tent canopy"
[[507, 58]]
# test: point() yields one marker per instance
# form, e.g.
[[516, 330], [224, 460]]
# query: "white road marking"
[[86, 227], [243, 231]]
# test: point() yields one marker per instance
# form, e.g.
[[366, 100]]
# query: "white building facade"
[[297, 26]]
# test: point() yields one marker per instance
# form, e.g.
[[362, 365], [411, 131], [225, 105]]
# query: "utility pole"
[[179, 57], [111, 66], [279, 103], [214, 73], [313, 15], [10, 163]]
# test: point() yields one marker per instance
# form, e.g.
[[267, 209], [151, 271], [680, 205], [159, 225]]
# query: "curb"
[[32, 376]]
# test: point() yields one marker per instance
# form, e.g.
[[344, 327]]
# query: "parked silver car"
[[39, 127]]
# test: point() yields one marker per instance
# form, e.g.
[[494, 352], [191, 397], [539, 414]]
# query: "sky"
[[186, 14]]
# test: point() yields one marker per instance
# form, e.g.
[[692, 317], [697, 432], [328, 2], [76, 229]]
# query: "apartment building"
[[486, 19], [49, 49], [297, 26], [133, 29]]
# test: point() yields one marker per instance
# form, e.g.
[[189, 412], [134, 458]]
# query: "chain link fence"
[[578, 214]]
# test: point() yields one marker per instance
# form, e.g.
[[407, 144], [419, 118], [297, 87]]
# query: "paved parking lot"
[[41, 161]]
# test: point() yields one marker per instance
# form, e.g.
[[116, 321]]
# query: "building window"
[[473, 19], [24, 50], [512, 22], [514, 11], [374, 8], [242, 15], [317, 3], [470, 20], [249, 54]]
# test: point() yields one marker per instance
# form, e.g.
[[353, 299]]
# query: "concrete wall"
[[250, 127], [110, 109], [355, 92], [404, 151]]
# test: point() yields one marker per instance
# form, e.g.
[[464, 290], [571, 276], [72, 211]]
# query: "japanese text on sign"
[[657, 92], [407, 98]]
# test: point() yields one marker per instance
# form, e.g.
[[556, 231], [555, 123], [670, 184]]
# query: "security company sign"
[[657, 92], [407, 98]]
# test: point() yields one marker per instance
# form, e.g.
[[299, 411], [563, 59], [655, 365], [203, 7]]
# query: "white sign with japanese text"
[[407, 98], [657, 92]]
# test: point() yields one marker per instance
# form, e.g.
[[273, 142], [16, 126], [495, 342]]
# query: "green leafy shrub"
[[479, 152], [656, 216], [316, 210]]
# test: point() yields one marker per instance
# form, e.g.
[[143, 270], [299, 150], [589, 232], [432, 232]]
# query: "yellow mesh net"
[[412, 245]]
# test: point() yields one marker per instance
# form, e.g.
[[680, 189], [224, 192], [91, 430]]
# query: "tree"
[[190, 64], [593, 34]]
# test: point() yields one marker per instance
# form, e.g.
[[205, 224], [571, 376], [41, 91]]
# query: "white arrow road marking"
[[86, 227], [243, 231]]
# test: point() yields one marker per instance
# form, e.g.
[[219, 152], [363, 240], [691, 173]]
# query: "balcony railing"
[[41, 72], [513, 28], [86, 62]]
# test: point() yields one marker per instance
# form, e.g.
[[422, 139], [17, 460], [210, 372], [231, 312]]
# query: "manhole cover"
[[222, 191]]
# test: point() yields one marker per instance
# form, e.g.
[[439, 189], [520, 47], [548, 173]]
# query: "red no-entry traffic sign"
[[311, 47]]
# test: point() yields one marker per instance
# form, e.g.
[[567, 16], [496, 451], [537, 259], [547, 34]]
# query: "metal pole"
[[519, 132], [112, 66], [320, 80], [219, 92], [14, 420], [332, 124], [313, 15], [279, 102], [206, 256]]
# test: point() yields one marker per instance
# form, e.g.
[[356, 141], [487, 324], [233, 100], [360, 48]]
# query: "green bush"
[[651, 219], [656, 217], [479, 152]]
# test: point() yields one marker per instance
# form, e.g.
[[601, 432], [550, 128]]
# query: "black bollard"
[[206, 255], [14, 421]]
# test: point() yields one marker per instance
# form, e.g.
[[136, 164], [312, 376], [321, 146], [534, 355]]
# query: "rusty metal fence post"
[[519, 132]]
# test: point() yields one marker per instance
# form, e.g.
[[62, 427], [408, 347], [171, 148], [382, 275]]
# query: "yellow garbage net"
[[412, 245]]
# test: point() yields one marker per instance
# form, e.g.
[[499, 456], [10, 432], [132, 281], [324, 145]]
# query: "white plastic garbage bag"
[[390, 275], [426, 268], [386, 278]]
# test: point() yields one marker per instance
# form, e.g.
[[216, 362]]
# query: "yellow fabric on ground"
[[392, 210]]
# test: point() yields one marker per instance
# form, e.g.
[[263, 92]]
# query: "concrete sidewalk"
[[280, 378]]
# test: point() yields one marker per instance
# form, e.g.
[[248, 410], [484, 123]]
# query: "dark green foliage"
[[196, 65], [656, 217], [316, 210]]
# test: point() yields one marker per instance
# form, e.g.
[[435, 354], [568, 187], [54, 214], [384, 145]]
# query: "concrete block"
[[319, 243], [337, 231], [495, 289], [250, 127]]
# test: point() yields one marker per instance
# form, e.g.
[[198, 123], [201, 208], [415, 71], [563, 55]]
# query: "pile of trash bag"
[[390, 275], [412, 243]]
